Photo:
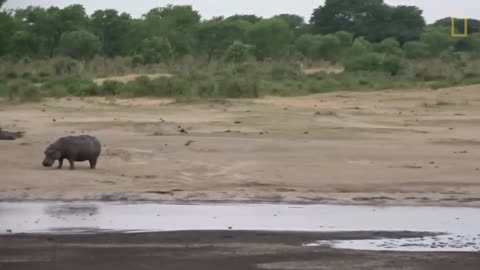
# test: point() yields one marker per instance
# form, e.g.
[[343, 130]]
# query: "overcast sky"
[[433, 9]]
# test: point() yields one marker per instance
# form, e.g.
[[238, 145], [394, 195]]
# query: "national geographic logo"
[[465, 28]]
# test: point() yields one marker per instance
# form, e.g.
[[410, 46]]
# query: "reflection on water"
[[460, 225]]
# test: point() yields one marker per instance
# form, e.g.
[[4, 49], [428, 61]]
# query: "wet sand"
[[214, 250]]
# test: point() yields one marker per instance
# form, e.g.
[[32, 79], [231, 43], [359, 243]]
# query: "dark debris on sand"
[[10, 136]]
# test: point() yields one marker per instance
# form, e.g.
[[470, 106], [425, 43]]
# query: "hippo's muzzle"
[[47, 163]]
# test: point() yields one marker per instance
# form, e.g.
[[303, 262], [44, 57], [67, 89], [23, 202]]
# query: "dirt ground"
[[416, 147], [214, 250]]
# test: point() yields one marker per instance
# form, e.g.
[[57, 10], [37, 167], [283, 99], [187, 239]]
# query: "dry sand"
[[413, 147]]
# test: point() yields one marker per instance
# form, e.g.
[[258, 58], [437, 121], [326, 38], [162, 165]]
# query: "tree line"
[[366, 34]]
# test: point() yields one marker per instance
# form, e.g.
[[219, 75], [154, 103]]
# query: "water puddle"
[[460, 227]]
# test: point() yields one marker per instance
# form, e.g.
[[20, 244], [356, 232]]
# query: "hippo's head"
[[51, 155]]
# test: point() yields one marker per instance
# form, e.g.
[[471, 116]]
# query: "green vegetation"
[[58, 51]]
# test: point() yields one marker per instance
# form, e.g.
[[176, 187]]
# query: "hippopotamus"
[[73, 148]]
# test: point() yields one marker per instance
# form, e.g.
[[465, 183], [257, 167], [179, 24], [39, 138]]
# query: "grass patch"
[[70, 86], [20, 91], [222, 82]]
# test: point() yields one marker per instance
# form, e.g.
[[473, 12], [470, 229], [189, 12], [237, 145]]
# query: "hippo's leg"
[[93, 163], [60, 163], [72, 164]]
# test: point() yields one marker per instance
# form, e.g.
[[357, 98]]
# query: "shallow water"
[[460, 225]]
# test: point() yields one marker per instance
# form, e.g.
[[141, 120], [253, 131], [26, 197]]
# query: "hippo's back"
[[82, 144]]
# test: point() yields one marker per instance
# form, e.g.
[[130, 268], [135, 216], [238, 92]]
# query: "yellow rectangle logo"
[[465, 28]]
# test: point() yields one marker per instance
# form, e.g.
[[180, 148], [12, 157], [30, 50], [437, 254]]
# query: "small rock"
[[183, 131], [188, 143], [285, 109], [432, 162], [229, 228], [54, 120], [43, 110], [306, 133], [261, 133], [237, 122], [450, 128], [227, 131], [9, 231]]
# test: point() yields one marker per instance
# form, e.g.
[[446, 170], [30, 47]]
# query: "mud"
[[213, 250]]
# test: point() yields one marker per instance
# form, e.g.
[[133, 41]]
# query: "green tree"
[[469, 44], [215, 36], [389, 46], [177, 24], [247, 18], [369, 61], [114, 30], [393, 64], [72, 18], [238, 52], [416, 49], [50, 24], [326, 47], [360, 46], [155, 50], [79, 44], [24, 43], [341, 15], [369, 18], [305, 44], [437, 39], [406, 24], [296, 23], [7, 29], [345, 38], [271, 38]]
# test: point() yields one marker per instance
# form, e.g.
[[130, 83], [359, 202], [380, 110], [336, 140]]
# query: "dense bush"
[[74, 86], [230, 86], [367, 61], [21, 91], [110, 88]]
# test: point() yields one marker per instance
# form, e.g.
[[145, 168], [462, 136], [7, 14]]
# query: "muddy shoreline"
[[245, 202], [215, 250]]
